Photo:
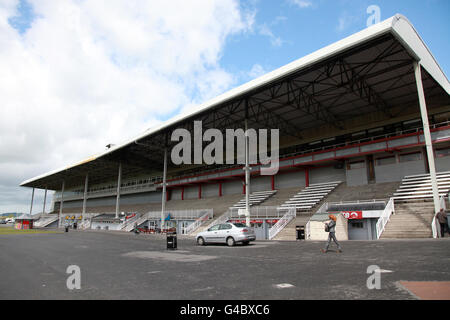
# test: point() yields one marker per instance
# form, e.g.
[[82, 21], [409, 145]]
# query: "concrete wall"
[[397, 171], [356, 177], [442, 164], [232, 187], [326, 174], [210, 190], [289, 180], [176, 194], [317, 229], [261, 183], [191, 192]]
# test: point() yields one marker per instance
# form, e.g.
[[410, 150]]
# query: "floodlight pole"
[[86, 183], [45, 200], [163, 200], [32, 199], [61, 203], [119, 182], [427, 135], [247, 177]]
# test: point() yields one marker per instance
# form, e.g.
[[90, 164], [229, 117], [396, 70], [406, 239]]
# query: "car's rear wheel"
[[201, 241], [230, 242]]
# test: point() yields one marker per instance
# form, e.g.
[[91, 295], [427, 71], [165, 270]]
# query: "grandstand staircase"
[[411, 220], [139, 219], [46, 220], [289, 232], [414, 206]]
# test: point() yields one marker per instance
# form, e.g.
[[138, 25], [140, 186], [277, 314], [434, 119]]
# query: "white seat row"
[[265, 192], [254, 198], [439, 178], [310, 196], [307, 198], [423, 185], [315, 194], [422, 189], [444, 191], [326, 183], [426, 174], [417, 196], [319, 188], [419, 186]]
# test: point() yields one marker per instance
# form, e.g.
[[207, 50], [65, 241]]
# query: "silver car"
[[229, 233]]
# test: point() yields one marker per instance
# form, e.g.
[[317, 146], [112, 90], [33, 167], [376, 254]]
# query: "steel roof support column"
[[119, 183], [45, 200], [163, 200], [32, 199], [86, 182], [61, 203], [247, 178], [427, 135]]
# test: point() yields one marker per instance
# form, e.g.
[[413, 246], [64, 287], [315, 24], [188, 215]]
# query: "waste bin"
[[171, 240], [300, 230], [66, 228]]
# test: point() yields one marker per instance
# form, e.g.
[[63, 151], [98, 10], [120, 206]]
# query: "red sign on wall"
[[351, 215]]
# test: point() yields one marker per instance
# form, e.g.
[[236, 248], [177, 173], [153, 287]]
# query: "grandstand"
[[358, 120]]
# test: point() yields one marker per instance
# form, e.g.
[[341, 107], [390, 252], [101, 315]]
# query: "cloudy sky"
[[76, 75]]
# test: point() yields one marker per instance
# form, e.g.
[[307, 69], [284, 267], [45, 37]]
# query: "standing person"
[[442, 218], [331, 229]]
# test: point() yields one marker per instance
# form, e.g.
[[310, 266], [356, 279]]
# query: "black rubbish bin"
[[66, 228], [300, 230], [171, 241]]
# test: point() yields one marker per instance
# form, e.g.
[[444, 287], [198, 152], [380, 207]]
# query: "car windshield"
[[240, 225]]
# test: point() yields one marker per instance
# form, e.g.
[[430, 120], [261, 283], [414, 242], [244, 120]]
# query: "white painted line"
[[283, 285]]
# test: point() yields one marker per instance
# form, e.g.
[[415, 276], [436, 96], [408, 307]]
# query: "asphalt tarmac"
[[127, 266]]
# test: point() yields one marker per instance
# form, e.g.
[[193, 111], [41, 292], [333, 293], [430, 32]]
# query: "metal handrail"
[[222, 219], [260, 212], [130, 221], [178, 214], [277, 227], [385, 216], [197, 223]]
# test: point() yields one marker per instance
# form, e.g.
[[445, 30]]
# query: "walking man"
[[331, 229]]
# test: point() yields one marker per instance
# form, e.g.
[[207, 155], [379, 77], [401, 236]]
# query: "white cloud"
[[88, 73], [301, 3], [265, 30], [256, 71]]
